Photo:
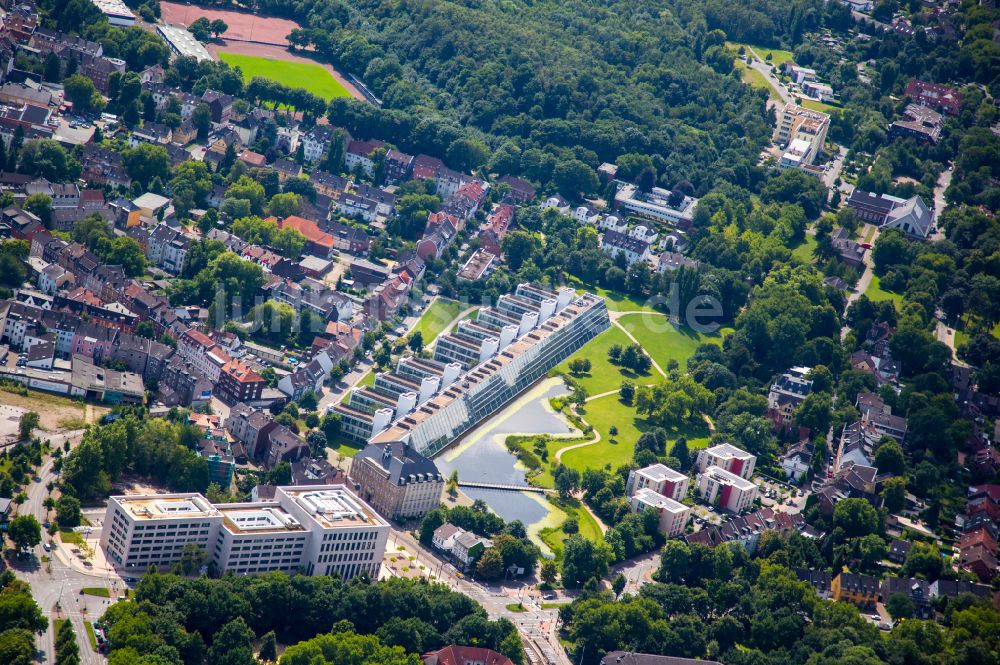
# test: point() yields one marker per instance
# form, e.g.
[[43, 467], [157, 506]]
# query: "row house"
[[219, 104], [347, 238], [250, 427], [168, 247], [358, 156], [101, 166], [398, 166], [328, 184], [239, 383], [466, 201], [519, 191], [747, 529], [145, 357], [316, 143], [318, 243], [182, 384], [93, 342], [207, 357], [878, 414], [439, 233], [308, 377], [328, 304], [633, 250]]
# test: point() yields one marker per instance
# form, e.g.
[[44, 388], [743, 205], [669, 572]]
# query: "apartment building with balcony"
[[729, 457], [729, 491], [661, 479]]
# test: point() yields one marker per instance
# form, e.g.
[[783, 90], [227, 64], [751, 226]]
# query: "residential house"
[[444, 537], [239, 383], [519, 191], [318, 242], [465, 655], [614, 243], [919, 122], [468, 548], [786, 394], [797, 460], [934, 95], [860, 590], [358, 155], [634, 658]]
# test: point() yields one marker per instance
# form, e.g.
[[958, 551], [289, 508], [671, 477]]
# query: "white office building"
[[315, 530]]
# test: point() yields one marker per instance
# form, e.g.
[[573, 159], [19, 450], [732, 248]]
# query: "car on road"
[[47, 547], [866, 245]]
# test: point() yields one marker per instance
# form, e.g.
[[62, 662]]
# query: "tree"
[[583, 560], [68, 511], [467, 154], [81, 91], [53, 68], [218, 27], [284, 204], [147, 161], [25, 531], [923, 560], [548, 573], [900, 606], [856, 517], [40, 205], [627, 391], [201, 118], [193, 557], [201, 29], [67, 649], [268, 647], [573, 178], [680, 452], [17, 647], [27, 424], [579, 366], [618, 584], [416, 342], [490, 564], [894, 494], [815, 412], [47, 159], [317, 442], [232, 644], [889, 457]]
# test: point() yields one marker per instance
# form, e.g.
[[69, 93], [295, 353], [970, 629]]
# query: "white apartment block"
[[316, 530], [728, 457], [798, 123], [673, 515], [661, 479], [729, 491]]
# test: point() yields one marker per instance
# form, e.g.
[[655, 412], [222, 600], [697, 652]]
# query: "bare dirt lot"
[[56, 412], [243, 26]]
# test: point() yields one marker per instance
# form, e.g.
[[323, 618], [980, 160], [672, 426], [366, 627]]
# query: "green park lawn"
[[803, 252], [605, 412], [603, 376], [664, 341], [311, 77], [99, 591], [438, 317], [615, 301], [876, 293], [554, 536]]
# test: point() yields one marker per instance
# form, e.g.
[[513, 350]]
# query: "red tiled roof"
[[461, 655], [241, 372], [308, 229]]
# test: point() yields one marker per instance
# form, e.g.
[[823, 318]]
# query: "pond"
[[482, 457]]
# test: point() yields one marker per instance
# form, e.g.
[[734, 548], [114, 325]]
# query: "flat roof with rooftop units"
[[167, 506]]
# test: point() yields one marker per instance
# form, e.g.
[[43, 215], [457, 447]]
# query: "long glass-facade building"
[[477, 368]]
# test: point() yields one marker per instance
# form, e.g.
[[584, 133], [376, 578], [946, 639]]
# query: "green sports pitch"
[[312, 77]]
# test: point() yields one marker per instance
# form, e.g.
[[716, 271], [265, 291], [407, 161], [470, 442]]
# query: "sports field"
[[311, 76]]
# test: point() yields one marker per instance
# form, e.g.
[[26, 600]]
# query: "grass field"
[[438, 317], [755, 79], [819, 106], [605, 412], [603, 376], [778, 56], [615, 301], [554, 536], [99, 591], [803, 253], [664, 341], [877, 294], [312, 77]]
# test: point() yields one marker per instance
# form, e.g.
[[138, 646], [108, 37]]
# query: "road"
[[764, 68], [939, 203], [836, 166], [866, 277], [538, 627], [57, 581]]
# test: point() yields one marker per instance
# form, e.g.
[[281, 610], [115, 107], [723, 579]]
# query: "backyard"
[[438, 317], [876, 293]]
